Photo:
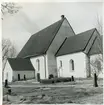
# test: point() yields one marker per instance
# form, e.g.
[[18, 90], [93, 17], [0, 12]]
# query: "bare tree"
[[9, 7], [97, 62], [97, 65], [8, 51], [99, 24]]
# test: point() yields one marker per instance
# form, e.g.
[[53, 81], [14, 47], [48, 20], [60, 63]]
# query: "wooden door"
[[18, 77]]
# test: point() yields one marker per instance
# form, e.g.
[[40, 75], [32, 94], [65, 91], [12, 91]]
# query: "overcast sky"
[[36, 16]]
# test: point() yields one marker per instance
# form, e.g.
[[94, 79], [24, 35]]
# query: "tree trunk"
[[95, 80]]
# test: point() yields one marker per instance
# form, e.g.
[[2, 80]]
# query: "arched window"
[[7, 75], [60, 63], [72, 65], [38, 64]]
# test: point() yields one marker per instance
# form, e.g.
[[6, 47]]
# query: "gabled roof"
[[75, 43], [20, 64], [39, 43], [97, 47]]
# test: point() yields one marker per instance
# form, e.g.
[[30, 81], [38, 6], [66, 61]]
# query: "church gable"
[[64, 32], [97, 46]]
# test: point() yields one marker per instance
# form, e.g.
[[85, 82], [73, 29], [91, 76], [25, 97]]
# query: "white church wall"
[[42, 66], [63, 32], [28, 74], [8, 73], [79, 65], [51, 64], [97, 56]]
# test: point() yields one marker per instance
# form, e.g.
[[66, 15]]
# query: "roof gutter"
[[34, 55]]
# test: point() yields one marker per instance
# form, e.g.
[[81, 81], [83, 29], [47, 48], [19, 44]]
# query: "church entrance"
[[18, 77]]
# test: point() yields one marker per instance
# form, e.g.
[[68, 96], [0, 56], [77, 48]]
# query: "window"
[[6, 75], [38, 64], [60, 63], [72, 65]]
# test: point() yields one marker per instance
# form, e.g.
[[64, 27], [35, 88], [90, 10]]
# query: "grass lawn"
[[80, 92]]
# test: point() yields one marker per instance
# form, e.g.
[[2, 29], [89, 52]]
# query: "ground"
[[78, 92]]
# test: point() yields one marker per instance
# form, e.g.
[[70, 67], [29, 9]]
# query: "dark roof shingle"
[[75, 43], [38, 43], [20, 64], [97, 47]]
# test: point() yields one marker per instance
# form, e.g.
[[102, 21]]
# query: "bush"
[[65, 79], [51, 76], [47, 81], [55, 80]]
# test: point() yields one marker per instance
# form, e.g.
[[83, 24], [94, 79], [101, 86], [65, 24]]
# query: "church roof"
[[97, 46], [75, 43], [20, 64], [39, 43]]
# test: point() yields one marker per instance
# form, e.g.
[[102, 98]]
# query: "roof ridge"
[[79, 34], [46, 27], [86, 31]]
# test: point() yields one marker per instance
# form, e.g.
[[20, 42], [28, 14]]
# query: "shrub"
[[55, 80], [51, 76], [65, 79], [47, 81]]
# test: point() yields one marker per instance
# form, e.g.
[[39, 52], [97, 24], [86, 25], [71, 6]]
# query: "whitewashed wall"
[[28, 74], [8, 70], [43, 66], [79, 65], [93, 57]]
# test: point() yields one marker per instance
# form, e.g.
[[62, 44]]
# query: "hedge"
[[55, 80]]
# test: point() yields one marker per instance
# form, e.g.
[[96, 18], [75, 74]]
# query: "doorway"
[[18, 77]]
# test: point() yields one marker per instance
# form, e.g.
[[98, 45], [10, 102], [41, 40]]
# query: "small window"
[[6, 75], [38, 64], [60, 63], [72, 65]]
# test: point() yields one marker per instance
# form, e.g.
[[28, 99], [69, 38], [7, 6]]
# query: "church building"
[[56, 50]]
